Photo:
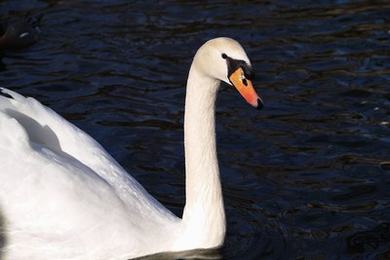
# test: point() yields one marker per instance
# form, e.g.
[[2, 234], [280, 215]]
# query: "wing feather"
[[29, 125]]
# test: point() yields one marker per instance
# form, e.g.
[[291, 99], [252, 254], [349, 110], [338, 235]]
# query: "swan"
[[62, 196]]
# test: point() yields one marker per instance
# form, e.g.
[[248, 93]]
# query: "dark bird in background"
[[19, 32]]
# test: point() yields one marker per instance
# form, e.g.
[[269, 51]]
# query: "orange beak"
[[245, 88]]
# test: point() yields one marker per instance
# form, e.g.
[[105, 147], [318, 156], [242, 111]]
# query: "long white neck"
[[204, 215]]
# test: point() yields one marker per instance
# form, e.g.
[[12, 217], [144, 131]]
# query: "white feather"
[[62, 196]]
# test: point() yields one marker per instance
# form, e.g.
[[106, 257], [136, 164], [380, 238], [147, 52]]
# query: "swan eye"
[[233, 65], [244, 82]]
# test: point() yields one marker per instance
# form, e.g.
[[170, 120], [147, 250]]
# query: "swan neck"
[[204, 210]]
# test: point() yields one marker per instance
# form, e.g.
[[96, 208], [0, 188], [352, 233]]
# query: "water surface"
[[306, 177]]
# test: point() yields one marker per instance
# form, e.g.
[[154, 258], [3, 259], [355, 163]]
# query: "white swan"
[[62, 196]]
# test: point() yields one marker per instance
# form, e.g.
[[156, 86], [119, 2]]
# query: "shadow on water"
[[2, 65], [375, 239], [190, 254]]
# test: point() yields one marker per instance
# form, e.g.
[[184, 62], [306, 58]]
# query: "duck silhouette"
[[19, 32]]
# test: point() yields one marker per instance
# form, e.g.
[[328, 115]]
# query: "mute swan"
[[62, 196]]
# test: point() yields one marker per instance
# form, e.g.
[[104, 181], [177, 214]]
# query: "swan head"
[[224, 59]]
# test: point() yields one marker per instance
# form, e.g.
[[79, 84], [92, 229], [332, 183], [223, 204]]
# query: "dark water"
[[308, 177]]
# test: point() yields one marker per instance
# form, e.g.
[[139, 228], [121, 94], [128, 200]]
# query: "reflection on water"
[[191, 254], [307, 177]]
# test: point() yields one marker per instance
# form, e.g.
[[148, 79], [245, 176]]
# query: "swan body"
[[62, 196]]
